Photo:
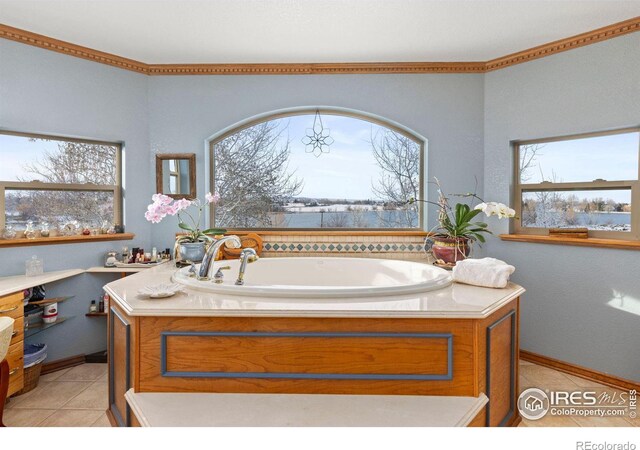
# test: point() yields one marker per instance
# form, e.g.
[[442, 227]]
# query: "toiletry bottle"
[[101, 306], [105, 300], [154, 254], [93, 307]]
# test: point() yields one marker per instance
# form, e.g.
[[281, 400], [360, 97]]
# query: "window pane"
[[268, 177], [612, 157], [57, 207], [606, 210], [56, 161]]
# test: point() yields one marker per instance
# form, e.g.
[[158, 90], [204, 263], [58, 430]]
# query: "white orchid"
[[496, 209]]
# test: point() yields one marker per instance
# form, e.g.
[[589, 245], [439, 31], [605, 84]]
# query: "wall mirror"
[[176, 175]]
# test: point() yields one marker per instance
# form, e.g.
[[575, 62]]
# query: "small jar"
[[34, 266], [30, 232], [44, 230], [9, 232]]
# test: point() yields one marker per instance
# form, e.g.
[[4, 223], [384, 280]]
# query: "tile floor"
[[77, 397]]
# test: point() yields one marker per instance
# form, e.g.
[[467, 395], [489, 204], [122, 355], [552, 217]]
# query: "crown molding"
[[316, 69], [591, 37], [562, 45], [38, 40]]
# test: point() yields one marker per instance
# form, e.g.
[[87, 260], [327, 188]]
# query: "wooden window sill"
[[588, 242], [65, 240]]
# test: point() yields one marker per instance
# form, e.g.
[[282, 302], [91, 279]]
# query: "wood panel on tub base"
[[452, 357]]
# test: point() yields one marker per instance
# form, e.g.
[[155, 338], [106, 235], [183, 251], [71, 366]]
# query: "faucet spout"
[[206, 267], [247, 256]]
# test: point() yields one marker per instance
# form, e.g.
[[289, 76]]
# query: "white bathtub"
[[323, 277]]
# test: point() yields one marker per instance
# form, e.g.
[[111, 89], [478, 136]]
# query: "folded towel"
[[485, 272]]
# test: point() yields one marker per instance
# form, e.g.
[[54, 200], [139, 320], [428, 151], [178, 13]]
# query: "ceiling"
[[304, 31]]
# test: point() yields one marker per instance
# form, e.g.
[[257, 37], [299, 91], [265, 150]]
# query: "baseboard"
[[60, 364], [97, 357], [112, 420], [579, 371]]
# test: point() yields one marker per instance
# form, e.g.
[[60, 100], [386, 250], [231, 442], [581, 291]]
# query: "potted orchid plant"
[[458, 227], [193, 242]]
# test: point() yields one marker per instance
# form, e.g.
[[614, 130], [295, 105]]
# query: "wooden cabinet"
[[12, 306], [386, 356]]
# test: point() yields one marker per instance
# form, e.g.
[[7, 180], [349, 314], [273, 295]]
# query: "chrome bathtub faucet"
[[206, 267], [247, 256]]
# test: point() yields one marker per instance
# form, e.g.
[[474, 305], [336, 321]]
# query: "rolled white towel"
[[485, 272]]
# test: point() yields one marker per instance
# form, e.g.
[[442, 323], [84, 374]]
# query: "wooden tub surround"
[[460, 341]]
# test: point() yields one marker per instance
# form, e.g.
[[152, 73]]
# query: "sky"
[[16, 151], [347, 171], [612, 157]]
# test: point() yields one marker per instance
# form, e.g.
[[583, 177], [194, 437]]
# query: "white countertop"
[[455, 301], [17, 283], [302, 410]]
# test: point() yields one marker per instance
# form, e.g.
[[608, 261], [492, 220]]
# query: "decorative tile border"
[[339, 247], [391, 247]]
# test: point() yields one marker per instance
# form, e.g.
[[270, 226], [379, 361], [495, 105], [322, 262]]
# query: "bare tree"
[[337, 219], [72, 162], [528, 154], [399, 160], [359, 217], [252, 176]]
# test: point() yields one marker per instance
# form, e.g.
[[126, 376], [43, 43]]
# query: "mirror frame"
[[191, 157]]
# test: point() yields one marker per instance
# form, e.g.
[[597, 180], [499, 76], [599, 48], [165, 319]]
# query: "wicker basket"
[[31, 378]]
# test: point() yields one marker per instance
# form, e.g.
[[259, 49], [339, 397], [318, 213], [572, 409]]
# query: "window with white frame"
[[317, 169], [55, 180], [588, 181]]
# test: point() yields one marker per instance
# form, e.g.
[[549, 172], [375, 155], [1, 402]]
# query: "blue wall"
[[447, 110], [50, 93], [567, 312]]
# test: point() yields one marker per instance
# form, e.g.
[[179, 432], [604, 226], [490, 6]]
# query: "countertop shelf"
[[40, 327], [17, 283], [66, 240], [48, 301], [96, 314]]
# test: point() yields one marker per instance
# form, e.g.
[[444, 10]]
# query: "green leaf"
[[184, 226], [214, 231]]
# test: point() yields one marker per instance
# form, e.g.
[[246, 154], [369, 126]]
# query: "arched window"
[[317, 169]]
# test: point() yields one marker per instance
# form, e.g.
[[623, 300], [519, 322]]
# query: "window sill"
[[65, 240], [588, 242]]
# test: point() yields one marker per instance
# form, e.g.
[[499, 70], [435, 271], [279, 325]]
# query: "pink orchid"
[[212, 198], [161, 199]]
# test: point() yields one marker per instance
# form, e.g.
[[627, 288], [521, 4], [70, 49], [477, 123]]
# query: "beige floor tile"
[[635, 421], [104, 377], [85, 372], [602, 422], [582, 382], [95, 396], [551, 421], [25, 417], [72, 418], [525, 363], [525, 383], [51, 395], [545, 378], [53, 375], [102, 421]]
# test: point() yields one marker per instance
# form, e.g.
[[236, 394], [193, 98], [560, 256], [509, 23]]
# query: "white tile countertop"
[[302, 410], [454, 301]]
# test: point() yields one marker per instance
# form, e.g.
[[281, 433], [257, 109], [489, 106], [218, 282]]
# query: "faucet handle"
[[218, 278]]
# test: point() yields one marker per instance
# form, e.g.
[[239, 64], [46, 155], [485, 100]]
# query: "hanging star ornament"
[[317, 140]]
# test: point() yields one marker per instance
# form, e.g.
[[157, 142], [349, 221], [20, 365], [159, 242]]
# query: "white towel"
[[485, 272]]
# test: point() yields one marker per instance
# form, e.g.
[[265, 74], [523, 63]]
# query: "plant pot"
[[192, 251], [450, 250]]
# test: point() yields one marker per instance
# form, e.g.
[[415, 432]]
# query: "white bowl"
[[160, 290], [6, 328]]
